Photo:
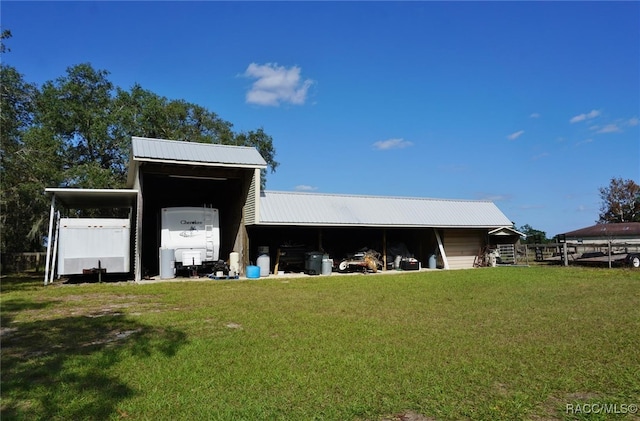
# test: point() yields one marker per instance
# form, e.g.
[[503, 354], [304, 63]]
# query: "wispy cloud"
[[584, 142], [514, 136], [540, 156], [610, 128], [383, 145], [494, 197], [526, 207], [583, 117], [633, 121], [534, 115], [276, 84], [304, 187]]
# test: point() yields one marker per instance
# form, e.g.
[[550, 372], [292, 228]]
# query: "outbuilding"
[[166, 173]]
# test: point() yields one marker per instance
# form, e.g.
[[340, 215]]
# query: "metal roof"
[[313, 209], [175, 151], [93, 198], [619, 229]]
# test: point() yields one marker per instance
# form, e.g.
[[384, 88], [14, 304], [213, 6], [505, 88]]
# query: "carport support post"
[[441, 248], [51, 211], [384, 249], [56, 233]]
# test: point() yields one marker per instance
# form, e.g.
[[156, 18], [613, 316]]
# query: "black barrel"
[[313, 263]]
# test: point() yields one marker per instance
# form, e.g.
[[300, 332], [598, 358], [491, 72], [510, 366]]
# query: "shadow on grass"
[[27, 281], [63, 367]]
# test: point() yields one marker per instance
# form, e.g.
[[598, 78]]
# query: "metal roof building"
[[168, 173], [627, 231]]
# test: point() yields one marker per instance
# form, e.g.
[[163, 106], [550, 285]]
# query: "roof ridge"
[[376, 196], [190, 142]]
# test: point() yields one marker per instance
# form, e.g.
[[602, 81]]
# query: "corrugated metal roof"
[[198, 153], [292, 208], [619, 229]]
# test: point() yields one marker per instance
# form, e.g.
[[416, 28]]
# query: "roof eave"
[[378, 225], [199, 163]]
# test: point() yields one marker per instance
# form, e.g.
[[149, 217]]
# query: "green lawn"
[[483, 344]]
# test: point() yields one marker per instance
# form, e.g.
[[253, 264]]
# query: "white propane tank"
[[234, 263], [264, 261], [167, 263]]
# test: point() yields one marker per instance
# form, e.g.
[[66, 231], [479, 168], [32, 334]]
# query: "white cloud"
[[383, 145], [534, 115], [587, 116], [633, 121], [610, 128], [304, 187], [514, 136], [276, 84], [540, 156], [494, 197]]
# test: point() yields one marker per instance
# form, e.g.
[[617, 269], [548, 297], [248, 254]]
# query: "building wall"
[[462, 246]]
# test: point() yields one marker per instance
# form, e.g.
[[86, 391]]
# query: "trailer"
[[595, 254], [89, 245], [193, 233], [631, 260]]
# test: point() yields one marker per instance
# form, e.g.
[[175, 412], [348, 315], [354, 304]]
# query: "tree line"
[[75, 131]]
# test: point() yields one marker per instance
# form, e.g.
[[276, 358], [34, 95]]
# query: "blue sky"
[[531, 105]]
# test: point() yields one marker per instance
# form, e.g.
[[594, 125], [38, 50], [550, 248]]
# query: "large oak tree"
[[75, 131]]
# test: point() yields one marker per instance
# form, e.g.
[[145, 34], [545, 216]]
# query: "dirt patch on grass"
[[408, 416], [90, 305]]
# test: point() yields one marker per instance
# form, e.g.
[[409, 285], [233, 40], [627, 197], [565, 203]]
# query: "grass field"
[[538, 343]]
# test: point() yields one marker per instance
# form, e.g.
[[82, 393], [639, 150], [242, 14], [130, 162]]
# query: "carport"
[[78, 200], [456, 230], [176, 174]]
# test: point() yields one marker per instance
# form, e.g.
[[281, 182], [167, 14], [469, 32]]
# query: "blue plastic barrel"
[[432, 261], [253, 272]]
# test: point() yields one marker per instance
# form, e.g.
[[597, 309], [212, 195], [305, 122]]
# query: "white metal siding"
[[462, 247], [251, 204]]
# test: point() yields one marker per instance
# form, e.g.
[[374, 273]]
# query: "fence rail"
[[22, 262]]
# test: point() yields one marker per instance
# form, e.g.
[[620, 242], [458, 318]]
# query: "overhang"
[[93, 198], [506, 231]]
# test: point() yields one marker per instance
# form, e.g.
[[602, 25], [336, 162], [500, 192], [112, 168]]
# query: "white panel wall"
[[462, 246]]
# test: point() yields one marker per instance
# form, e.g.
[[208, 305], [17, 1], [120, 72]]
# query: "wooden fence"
[[22, 262]]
